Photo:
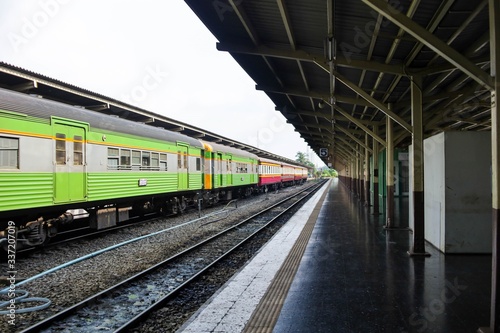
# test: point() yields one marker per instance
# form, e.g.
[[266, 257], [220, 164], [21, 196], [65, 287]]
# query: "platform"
[[354, 276]]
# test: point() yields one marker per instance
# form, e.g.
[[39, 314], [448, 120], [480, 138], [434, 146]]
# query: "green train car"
[[60, 163], [228, 167]]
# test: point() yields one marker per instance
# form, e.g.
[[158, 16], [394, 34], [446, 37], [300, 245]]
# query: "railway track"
[[133, 299], [69, 236]]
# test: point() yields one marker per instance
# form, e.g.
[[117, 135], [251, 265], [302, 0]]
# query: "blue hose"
[[24, 299], [93, 254]]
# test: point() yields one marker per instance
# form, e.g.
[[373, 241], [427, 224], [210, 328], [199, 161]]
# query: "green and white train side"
[[229, 168], [59, 163]]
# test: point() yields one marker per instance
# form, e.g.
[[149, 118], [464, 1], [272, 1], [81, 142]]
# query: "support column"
[[361, 186], [494, 17], [417, 178], [389, 161], [375, 174], [367, 173], [355, 173], [495, 165], [351, 169]]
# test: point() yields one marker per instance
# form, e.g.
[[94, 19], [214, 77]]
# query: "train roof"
[[43, 108], [269, 161], [225, 149], [295, 165]]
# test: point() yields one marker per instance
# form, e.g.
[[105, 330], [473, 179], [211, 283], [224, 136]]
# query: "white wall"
[[434, 195], [458, 191]]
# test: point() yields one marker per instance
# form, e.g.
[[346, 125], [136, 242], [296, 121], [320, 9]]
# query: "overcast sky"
[[155, 54]]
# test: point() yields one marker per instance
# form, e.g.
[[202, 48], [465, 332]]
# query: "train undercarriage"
[[38, 231]]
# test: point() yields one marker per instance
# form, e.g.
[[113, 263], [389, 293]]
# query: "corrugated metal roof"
[[281, 45]]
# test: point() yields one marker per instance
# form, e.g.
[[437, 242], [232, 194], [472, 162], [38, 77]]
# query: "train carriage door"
[[229, 175], [70, 179], [182, 167], [219, 169]]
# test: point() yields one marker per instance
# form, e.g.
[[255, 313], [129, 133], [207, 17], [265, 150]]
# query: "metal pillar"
[[417, 167], [367, 173], [351, 173], [361, 182], [495, 286], [355, 174], [375, 173], [389, 174], [494, 17]]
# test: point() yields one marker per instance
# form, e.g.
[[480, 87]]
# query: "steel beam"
[[370, 99], [323, 95], [317, 58], [32, 84], [286, 22], [349, 134], [245, 21], [342, 153], [346, 152], [358, 123], [323, 115], [348, 144], [431, 41]]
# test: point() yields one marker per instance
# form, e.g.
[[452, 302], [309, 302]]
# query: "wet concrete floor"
[[356, 276]]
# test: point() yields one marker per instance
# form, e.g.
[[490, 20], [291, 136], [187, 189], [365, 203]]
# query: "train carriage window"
[[113, 158], [9, 153], [125, 158], [136, 157], [77, 150], [60, 148], [146, 159], [179, 160], [113, 152], [198, 164], [163, 162], [185, 160], [155, 160]]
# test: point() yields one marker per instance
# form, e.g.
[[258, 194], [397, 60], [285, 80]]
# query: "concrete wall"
[[434, 190], [457, 174], [468, 192]]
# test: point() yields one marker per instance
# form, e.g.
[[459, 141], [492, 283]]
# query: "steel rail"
[[111, 292]]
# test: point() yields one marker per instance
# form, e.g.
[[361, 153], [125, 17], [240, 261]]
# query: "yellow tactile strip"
[[268, 310]]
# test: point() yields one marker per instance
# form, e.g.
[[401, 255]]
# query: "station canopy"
[[335, 69]]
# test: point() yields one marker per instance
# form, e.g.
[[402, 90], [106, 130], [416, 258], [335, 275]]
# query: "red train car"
[[269, 173], [288, 174], [299, 174]]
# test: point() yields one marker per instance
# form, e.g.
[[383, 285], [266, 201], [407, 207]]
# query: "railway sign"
[[323, 152]]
